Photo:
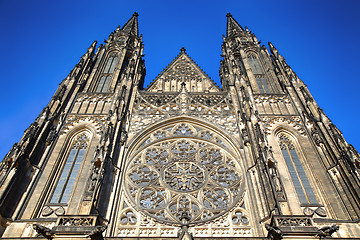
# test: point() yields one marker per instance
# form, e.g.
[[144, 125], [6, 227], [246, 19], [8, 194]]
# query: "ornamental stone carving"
[[177, 175]]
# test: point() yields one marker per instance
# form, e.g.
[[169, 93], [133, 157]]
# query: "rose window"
[[174, 177], [184, 176]]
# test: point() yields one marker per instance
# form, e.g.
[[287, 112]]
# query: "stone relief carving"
[[222, 113], [77, 221], [72, 120], [183, 129], [49, 211], [260, 98], [234, 222], [295, 122], [183, 70], [94, 97]]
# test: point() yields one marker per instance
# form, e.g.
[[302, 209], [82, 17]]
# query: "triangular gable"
[[183, 70]]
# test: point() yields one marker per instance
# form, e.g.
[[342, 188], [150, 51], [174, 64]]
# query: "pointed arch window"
[[255, 64], [71, 169], [260, 77], [105, 79], [296, 170]]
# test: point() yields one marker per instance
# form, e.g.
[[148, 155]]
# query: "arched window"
[[262, 84], [296, 170], [105, 79], [260, 77], [255, 65], [71, 169]]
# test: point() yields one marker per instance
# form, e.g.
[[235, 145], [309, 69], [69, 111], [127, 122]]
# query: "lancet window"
[[105, 78], [261, 79], [71, 169], [296, 170]]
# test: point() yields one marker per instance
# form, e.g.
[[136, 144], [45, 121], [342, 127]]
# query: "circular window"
[[170, 179]]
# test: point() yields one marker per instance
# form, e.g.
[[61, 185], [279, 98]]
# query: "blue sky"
[[41, 41]]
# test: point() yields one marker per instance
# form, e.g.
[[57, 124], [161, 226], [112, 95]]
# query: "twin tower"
[[183, 158]]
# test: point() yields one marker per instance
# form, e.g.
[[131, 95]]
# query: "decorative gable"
[[183, 70]]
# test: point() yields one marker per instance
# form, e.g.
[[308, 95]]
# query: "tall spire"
[[232, 26], [131, 27]]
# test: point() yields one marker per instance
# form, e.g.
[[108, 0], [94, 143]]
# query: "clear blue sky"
[[41, 41]]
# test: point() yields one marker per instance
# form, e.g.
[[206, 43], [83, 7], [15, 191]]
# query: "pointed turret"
[[131, 27], [232, 26]]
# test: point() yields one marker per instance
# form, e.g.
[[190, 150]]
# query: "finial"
[[183, 50], [135, 14], [228, 15], [185, 218]]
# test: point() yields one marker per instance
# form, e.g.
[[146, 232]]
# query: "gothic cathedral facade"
[[184, 158]]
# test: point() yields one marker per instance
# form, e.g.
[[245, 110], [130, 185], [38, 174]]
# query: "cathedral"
[[184, 158]]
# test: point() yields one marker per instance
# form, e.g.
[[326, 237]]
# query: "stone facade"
[[183, 159]]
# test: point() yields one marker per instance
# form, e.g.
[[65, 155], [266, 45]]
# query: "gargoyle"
[[44, 231]]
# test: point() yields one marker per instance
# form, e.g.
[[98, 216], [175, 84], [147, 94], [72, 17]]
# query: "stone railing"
[[77, 221]]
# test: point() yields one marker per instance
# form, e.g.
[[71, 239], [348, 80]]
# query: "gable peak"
[[183, 70]]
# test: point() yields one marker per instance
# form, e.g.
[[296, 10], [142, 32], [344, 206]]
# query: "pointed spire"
[[274, 52], [90, 51], [131, 27], [232, 26], [272, 47]]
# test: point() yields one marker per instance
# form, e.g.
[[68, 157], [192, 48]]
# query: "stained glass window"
[[297, 172], [105, 79], [255, 65], [70, 170], [260, 77]]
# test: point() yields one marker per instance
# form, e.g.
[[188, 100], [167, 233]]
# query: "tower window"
[[262, 84], [71, 169], [105, 79], [297, 172], [255, 65], [260, 77]]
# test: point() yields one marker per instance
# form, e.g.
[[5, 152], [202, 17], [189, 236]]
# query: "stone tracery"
[[174, 175]]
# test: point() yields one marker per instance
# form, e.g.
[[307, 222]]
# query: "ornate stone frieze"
[[222, 113], [92, 103], [94, 97], [77, 221], [274, 104], [73, 120], [183, 70], [183, 129], [294, 122], [233, 223]]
